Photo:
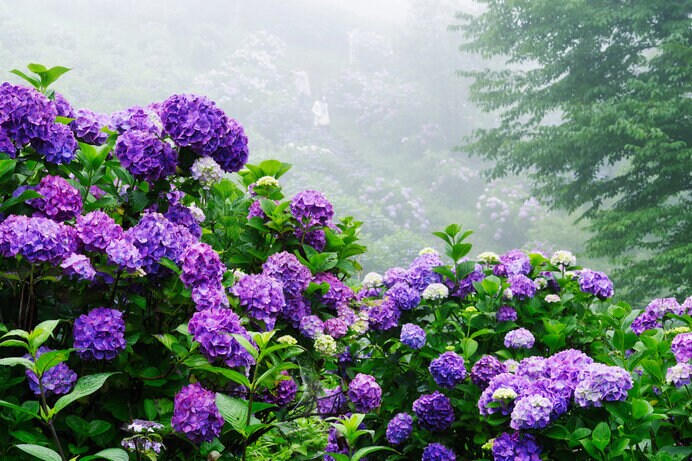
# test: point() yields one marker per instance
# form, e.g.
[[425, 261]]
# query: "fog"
[[385, 70]]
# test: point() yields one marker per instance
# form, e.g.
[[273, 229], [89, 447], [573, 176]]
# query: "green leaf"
[[641, 408], [556, 432], [36, 83], [24, 196], [469, 347], [580, 433], [618, 447], [7, 167], [37, 451], [363, 452], [20, 333], [112, 454], [51, 75], [167, 340], [37, 68], [14, 343], [86, 385], [247, 345], [13, 361], [234, 411], [601, 436], [48, 360], [23, 410], [41, 333]]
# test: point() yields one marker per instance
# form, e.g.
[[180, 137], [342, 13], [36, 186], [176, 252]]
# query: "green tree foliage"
[[594, 106]]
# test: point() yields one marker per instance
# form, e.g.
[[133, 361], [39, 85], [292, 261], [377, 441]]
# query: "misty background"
[[385, 68]]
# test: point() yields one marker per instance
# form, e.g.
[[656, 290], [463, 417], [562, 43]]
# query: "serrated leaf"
[[601, 436], [37, 451], [234, 411]]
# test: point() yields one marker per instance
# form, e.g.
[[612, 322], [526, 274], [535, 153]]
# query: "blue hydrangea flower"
[[196, 415], [448, 370], [413, 336], [438, 452], [99, 334], [399, 428], [261, 296]]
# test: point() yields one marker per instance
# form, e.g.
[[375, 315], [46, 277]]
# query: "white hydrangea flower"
[[540, 283], [563, 258], [552, 299], [507, 294], [488, 257], [435, 291], [325, 345], [287, 339], [267, 181], [372, 280], [197, 213], [571, 274], [360, 327], [428, 251], [206, 171], [504, 393]]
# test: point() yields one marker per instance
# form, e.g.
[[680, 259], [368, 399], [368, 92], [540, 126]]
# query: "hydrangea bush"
[[160, 298]]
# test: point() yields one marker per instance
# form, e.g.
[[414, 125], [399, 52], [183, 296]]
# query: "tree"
[[595, 107]]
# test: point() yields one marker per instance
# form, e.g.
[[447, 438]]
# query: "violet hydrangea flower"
[[212, 329], [200, 264], [383, 314], [531, 412], [156, 237], [286, 268], [420, 271], [58, 379], [485, 369], [506, 381], [338, 293], [413, 336], [284, 391], [335, 327], [596, 283], [99, 334], [533, 367], [521, 286], [87, 126], [438, 452], [311, 326], [59, 199], [514, 262], [399, 428], [405, 297], [516, 446], [79, 266], [181, 215], [506, 314], [395, 275], [261, 296], [333, 402], [365, 393], [296, 309], [207, 172], [448, 370], [136, 118], [311, 208], [681, 347], [521, 338], [55, 142], [206, 296], [434, 412], [599, 383], [124, 254], [95, 230], [196, 415], [37, 239], [145, 155], [679, 375]]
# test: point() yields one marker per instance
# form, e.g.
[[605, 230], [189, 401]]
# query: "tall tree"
[[595, 106]]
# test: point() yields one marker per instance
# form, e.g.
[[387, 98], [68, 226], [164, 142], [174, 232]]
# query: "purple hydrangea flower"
[[136, 119], [383, 314], [405, 297], [434, 412], [335, 327], [465, 286], [485, 369], [79, 266], [521, 338], [311, 208], [62, 106], [201, 265], [206, 296], [99, 334], [23, 112], [124, 254], [508, 381], [311, 326], [653, 314], [599, 383], [334, 445], [596, 283], [338, 293], [521, 286], [195, 122], [6, 144], [420, 272], [514, 262], [315, 238], [347, 315], [679, 375], [399, 428], [212, 329], [286, 268], [531, 412], [413, 336], [533, 368], [255, 211], [60, 200], [87, 126], [681, 347], [566, 366], [284, 391], [156, 237], [296, 309], [58, 379], [95, 230], [448, 370], [516, 446], [395, 275], [438, 452], [365, 393], [506, 314], [37, 239], [233, 151], [196, 415], [208, 172], [181, 215], [55, 142], [145, 155], [261, 296], [555, 391], [333, 402]]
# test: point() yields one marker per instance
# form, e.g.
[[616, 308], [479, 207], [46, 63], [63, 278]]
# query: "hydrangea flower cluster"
[[596, 283], [435, 292], [87, 126], [448, 370], [382, 314], [333, 402], [598, 383], [338, 293], [420, 272], [124, 254], [286, 268], [284, 391], [653, 314], [261, 296], [206, 171], [326, 345], [434, 412], [505, 381], [521, 286], [364, 393], [311, 326], [212, 329], [156, 237], [196, 415], [399, 428], [183, 216], [58, 379], [679, 375], [531, 412], [405, 297], [563, 259], [311, 208], [99, 334], [485, 369], [681, 347], [96, 230], [59, 199], [78, 266], [465, 286], [506, 314], [514, 262], [201, 265], [145, 155], [136, 118], [521, 338], [335, 327], [438, 452], [516, 446], [413, 336]]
